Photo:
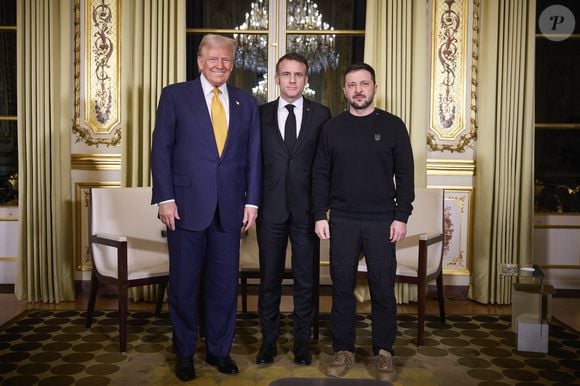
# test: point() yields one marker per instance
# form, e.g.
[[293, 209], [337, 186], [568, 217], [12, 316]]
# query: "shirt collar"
[[207, 87], [298, 104]]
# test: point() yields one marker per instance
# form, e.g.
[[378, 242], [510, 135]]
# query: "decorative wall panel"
[[458, 225], [97, 72], [453, 75]]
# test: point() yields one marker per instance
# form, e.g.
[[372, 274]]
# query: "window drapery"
[[45, 262], [504, 181]]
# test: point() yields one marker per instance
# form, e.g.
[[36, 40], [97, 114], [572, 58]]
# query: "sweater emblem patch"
[[377, 137]]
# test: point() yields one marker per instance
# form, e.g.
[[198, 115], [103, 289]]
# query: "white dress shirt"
[[283, 114], [207, 88]]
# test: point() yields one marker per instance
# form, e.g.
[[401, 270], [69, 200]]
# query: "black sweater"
[[356, 160]]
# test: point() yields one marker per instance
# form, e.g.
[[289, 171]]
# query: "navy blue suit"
[[210, 193]]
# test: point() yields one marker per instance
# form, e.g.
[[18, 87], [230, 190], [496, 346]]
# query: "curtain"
[[156, 59], [45, 259], [388, 47], [396, 46], [504, 180]]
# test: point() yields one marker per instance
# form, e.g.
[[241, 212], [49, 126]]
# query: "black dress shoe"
[[302, 354], [225, 365], [303, 358], [184, 369], [266, 354]]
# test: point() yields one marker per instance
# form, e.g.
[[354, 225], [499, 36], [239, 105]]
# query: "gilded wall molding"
[[435, 167], [96, 161], [449, 130], [97, 83]]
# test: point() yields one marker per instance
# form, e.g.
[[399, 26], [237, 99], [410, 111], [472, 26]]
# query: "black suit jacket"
[[286, 178]]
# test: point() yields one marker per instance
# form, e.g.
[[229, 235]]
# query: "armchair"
[[128, 247]]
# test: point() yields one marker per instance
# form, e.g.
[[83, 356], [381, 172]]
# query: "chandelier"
[[303, 15], [318, 49], [252, 51]]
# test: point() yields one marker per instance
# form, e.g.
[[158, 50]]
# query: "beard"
[[361, 105]]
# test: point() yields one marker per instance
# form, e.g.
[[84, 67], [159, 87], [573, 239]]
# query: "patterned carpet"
[[54, 348]]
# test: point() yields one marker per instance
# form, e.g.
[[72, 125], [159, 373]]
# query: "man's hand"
[[398, 231], [168, 214], [322, 229], [250, 215]]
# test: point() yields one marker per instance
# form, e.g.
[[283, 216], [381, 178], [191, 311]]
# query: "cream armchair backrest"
[[427, 218], [126, 211], [126, 214]]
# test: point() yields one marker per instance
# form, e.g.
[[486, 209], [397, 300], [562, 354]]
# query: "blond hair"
[[217, 41]]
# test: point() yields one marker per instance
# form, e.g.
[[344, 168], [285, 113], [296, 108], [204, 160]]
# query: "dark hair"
[[293, 56], [360, 66]]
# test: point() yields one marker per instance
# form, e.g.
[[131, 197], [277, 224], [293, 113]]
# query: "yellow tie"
[[218, 118]]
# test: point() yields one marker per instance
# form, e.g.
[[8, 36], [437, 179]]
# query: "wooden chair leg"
[[92, 299], [421, 286], [440, 297], [123, 299], [244, 291], [160, 297]]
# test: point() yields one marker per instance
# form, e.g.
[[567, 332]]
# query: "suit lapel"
[[235, 116], [305, 125], [196, 101], [274, 126]]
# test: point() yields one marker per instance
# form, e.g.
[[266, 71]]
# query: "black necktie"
[[290, 128]]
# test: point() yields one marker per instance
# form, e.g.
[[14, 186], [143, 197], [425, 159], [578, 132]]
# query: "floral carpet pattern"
[[55, 348]]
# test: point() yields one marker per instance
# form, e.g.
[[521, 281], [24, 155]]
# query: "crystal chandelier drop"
[[303, 15], [252, 51], [319, 50]]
